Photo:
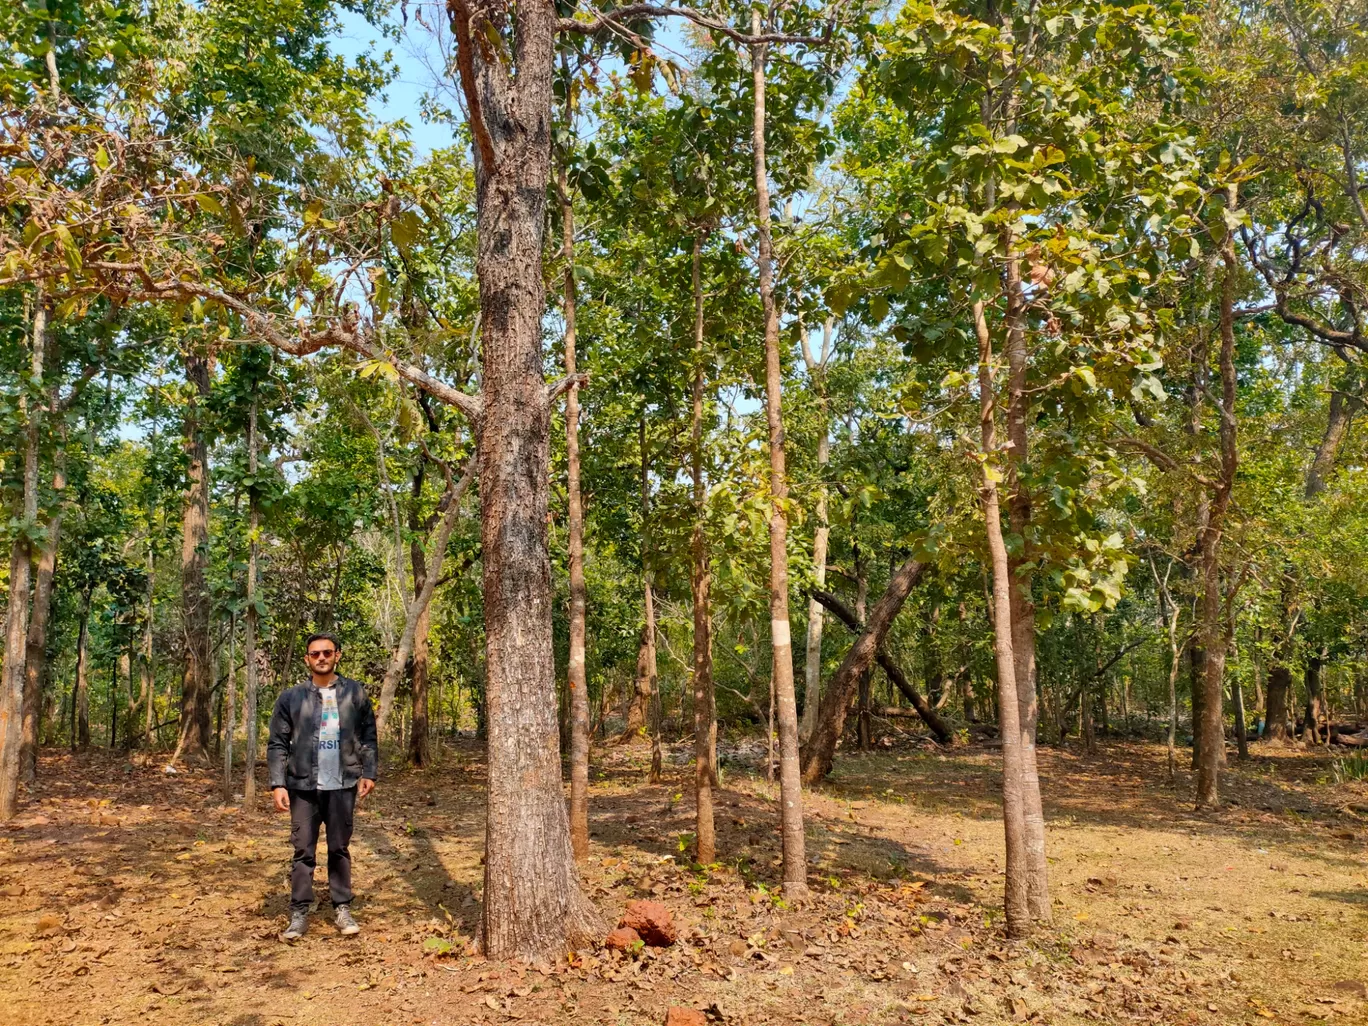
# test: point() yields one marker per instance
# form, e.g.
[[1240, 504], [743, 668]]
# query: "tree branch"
[[609, 20]]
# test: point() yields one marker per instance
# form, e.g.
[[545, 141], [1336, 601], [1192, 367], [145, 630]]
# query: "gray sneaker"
[[299, 926], [346, 925]]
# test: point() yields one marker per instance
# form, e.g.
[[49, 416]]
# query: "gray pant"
[[333, 810]]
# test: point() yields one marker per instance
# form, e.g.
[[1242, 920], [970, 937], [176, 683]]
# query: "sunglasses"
[[324, 652]]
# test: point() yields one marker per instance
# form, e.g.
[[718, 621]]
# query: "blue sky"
[[415, 55]]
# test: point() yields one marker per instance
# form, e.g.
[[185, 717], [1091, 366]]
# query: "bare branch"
[[611, 20]]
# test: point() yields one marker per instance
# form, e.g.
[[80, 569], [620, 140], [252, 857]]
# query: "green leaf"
[[404, 230]]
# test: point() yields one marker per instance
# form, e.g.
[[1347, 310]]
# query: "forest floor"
[[129, 896]]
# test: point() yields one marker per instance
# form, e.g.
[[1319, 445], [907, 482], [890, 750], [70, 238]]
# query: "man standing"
[[321, 757]]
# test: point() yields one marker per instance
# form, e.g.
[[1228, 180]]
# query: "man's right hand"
[[282, 799]]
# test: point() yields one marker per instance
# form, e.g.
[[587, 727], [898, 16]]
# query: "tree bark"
[[1341, 415], [1019, 513], [450, 508], [1212, 627], [700, 579], [1279, 686], [576, 680], [1316, 721], [230, 711], [812, 667], [250, 618], [1017, 893], [148, 666], [196, 681], [648, 680], [36, 661], [13, 677], [790, 774], [863, 725], [80, 701], [821, 749], [534, 907]]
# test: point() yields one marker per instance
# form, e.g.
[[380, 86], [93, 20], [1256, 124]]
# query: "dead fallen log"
[[895, 712], [923, 708], [820, 751]]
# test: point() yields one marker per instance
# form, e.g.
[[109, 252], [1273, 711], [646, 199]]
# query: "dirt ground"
[[129, 896]]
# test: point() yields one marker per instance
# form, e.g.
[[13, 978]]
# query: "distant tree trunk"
[[637, 713], [863, 723], [196, 682], [821, 749], [449, 508], [1341, 415], [1212, 727], [1196, 674], [576, 680], [14, 676], [35, 663], [1279, 686], [418, 754], [80, 735], [1316, 721], [418, 664], [148, 666], [700, 583], [113, 706], [790, 773], [1241, 733], [230, 687], [812, 668], [647, 672], [933, 672], [1017, 894], [250, 618]]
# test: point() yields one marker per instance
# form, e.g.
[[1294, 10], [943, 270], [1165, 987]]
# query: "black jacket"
[[292, 749]]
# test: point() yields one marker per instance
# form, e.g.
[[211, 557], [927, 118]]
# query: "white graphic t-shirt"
[[329, 742]]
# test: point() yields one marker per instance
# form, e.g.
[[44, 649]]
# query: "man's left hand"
[[364, 788]]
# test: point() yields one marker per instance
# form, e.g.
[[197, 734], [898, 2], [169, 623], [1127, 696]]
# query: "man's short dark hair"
[[337, 644]]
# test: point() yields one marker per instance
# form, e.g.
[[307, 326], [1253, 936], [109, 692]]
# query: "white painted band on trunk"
[[779, 633]]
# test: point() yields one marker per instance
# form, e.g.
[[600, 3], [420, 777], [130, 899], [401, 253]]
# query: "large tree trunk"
[[1279, 686], [576, 680], [790, 773], [1023, 607], [1212, 725], [13, 676], [197, 680], [821, 749], [534, 907], [1017, 895], [699, 585]]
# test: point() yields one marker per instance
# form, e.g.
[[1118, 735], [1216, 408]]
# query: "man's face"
[[321, 656]]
